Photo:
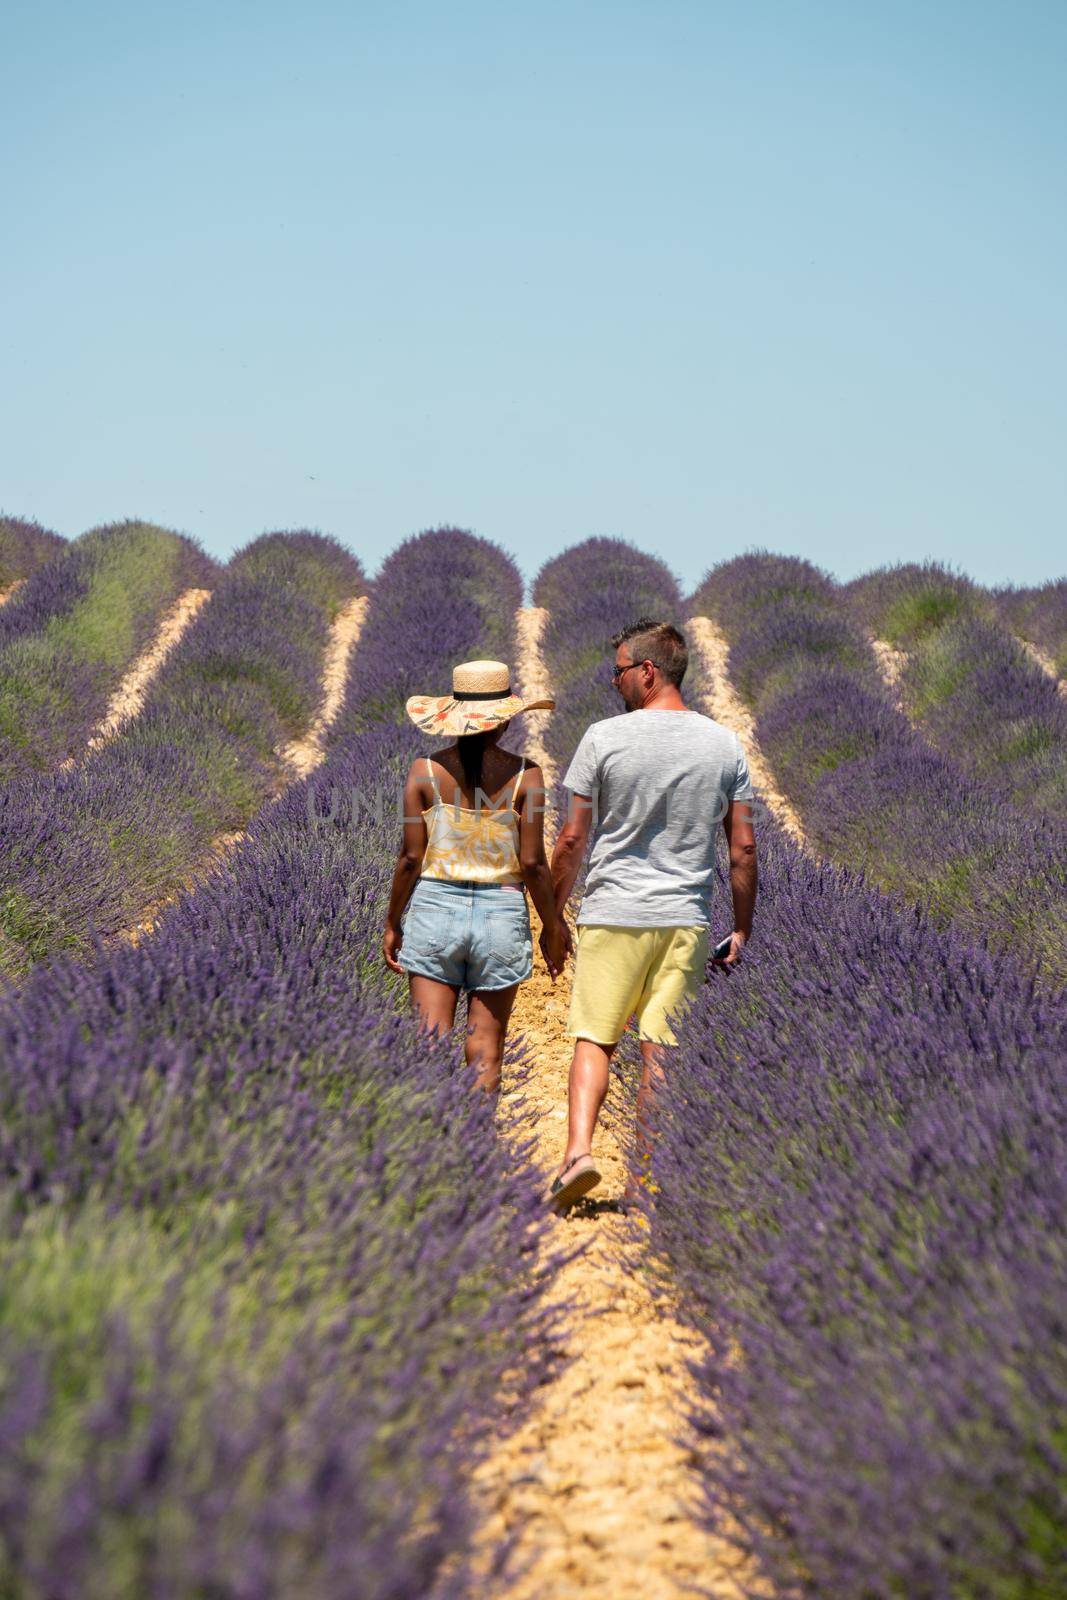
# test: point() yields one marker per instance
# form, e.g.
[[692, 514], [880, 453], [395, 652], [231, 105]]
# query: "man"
[[653, 787]]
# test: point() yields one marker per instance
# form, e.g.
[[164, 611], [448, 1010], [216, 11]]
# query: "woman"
[[473, 844]]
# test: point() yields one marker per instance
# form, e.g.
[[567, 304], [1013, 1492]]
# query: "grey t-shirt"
[[661, 782]]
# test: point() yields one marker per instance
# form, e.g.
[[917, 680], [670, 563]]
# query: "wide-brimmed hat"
[[481, 698]]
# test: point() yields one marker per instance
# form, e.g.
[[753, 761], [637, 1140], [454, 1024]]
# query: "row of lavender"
[[264, 1299], [86, 850], [74, 626], [1038, 615], [24, 546], [862, 1196], [863, 1175], [967, 683], [873, 793]]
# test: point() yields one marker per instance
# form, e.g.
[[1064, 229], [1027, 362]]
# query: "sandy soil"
[[597, 1487], [302, 755], [891, 664], [305, 754], [128, 698], [724, 704], [1045, 662], [5, 594]]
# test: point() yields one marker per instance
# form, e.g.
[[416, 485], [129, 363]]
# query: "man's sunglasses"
[[617, 672]]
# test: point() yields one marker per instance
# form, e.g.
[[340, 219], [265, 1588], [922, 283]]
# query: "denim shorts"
[[475, 936]]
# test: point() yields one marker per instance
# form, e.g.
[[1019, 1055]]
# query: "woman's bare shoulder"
[[532, 780]]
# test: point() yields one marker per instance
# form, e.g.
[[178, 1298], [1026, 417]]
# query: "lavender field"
[[275, 1282]]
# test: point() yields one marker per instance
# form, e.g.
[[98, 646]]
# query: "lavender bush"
[[412, 638], [73, 628], [87, 850], [1040, 617], [270, 1303], [909, 603], [24, 546], [872, 792], [313, 564], [972, 689], [591, 591], [861, 1161]]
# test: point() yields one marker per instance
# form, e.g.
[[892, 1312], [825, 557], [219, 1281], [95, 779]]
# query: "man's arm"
[[744, 876], [582, 781], [570, 847]]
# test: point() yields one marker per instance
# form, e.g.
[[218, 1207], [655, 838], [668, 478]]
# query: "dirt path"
[[128, 698], [1045, 662], [305, 754], [5, 594], [891, 664], [723, 703], [596, 1486], [302, 756]]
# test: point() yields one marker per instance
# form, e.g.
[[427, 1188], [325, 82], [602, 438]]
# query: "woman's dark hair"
[[471, 747]]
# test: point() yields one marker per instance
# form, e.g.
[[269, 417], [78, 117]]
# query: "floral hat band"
[[481, 698]]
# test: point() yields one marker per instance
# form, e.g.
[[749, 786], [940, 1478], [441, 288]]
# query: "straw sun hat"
[[481, 698]]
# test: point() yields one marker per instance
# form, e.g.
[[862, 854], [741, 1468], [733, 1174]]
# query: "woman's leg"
[[433, 1002], [488, 1011]]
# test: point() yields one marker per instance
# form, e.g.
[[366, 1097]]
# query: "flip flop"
[[583, 1176]]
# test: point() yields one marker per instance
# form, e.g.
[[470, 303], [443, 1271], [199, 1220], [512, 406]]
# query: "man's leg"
[[654, 1060], [609, 972], [675, 975], [586, 1090]]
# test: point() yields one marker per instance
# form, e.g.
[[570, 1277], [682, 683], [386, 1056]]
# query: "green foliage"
[[915, 616], [132, 576], [37, 699], [314, 564], [29, 930]]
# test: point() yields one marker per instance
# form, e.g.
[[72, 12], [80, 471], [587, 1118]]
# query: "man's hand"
[[554, 948], [394, 938], [732, 957]]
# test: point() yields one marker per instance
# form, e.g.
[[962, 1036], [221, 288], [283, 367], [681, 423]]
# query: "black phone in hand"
[[722, 949]]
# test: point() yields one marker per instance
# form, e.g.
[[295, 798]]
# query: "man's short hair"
[[659, 642]]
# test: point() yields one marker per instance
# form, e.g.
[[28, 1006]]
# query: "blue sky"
[[707, 277]]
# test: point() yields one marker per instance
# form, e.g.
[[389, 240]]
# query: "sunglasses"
[[617, 672]]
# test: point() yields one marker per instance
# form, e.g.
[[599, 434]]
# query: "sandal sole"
[[574, 1190]]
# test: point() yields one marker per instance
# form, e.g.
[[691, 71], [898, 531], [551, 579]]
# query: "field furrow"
[[871, 791], [89, 851], [306, 1297], [596, 1490], [720, 702], [128, 698], [967, 683], [1042, 659], [301, 757], [68, 636]]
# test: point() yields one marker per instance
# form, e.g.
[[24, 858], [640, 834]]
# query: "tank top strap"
[[433, 780], [518, 780]]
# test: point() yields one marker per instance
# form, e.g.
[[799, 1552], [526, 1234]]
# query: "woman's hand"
[[554, 948], [394, 938]]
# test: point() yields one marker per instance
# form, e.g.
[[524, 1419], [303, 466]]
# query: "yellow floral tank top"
[[481, 846]]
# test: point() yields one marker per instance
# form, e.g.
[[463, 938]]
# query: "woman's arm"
[[532, 799], [408, 866]]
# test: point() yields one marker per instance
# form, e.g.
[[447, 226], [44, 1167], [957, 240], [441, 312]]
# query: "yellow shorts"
[[645, 972]]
